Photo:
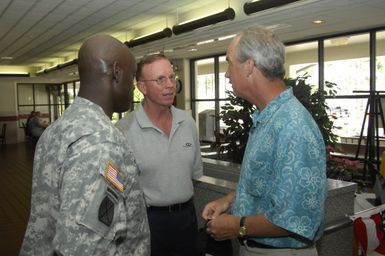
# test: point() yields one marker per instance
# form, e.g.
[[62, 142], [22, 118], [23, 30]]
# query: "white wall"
[[8, 110]]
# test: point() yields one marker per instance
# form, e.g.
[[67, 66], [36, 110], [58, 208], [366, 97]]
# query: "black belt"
[[254, 244], [173, 207]]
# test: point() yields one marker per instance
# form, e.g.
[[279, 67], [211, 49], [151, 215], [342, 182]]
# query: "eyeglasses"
[[162, 80]]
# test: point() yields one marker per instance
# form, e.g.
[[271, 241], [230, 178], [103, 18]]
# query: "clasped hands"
[[220, 224]]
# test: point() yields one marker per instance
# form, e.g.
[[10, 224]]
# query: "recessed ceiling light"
[[318, 22], [226, 37], [205, 42]]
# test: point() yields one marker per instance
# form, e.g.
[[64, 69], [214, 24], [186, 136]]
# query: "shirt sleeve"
[[96, 188], [198, 165]]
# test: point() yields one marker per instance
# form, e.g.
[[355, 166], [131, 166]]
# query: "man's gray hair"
[[264, 48]]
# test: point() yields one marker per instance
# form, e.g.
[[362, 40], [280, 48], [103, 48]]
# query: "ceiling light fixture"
[[14, 74], [253, 7], [227, 14], [317, 22], [226, 37], [6, 58], [339, 41], [167, 32], [59, 66], [206, 42]]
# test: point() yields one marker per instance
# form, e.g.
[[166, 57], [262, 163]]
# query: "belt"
[[173, 207], [253, 244]]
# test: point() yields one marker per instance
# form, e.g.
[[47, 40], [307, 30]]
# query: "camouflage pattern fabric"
[[86, 198]]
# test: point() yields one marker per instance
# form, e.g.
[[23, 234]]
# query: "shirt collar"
[[272, 107], [144, 121], [89, 104]]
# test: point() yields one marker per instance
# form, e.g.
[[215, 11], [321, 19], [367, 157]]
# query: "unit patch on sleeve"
[[106, 211]]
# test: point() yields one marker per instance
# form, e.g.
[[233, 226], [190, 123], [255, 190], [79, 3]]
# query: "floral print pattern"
[[283, 174]]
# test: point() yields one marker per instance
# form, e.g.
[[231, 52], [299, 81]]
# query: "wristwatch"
[[242, 227]]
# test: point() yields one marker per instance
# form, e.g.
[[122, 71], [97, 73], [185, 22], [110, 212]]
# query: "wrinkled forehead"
[[158, 65], [231, 49]]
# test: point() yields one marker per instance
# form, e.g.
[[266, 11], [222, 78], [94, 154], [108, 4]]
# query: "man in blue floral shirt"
[[278, 207]]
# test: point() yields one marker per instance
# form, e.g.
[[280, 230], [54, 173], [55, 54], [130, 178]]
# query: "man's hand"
[[217, 207], [224, 226]]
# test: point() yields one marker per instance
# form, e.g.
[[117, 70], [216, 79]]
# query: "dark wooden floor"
[[15, 194]]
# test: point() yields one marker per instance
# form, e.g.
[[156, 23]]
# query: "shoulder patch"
[[113, 176]]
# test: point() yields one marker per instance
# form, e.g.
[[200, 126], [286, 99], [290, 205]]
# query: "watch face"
[[242, 231]]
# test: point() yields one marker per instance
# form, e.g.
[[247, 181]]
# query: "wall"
[[8, 110], [182, 70]]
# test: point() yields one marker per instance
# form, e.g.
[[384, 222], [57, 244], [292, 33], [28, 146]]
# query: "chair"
[[26, 133], [2, 135]]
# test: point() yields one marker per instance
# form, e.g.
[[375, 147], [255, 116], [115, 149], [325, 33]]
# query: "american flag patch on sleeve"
[[114, 177]]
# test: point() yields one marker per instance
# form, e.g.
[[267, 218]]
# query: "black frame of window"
[[49, 105], [321, 60]]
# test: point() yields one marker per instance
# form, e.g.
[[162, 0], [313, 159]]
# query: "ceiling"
[[40, 34]]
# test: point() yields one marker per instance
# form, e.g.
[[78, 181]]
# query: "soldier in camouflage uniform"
[[86, 198]]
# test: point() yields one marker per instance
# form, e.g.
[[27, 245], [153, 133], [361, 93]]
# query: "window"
[[343, 60], [33, 97], [347, 63], [50, 99], [209, 94], [380, 61], [301, 60]]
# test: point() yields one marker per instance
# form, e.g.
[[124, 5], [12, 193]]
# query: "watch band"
[[242, 227], [242, 222]]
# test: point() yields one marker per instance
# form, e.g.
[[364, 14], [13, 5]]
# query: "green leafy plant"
[[315, 103], [237, 116]]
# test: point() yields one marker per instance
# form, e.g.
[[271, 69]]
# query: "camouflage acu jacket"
[[86, 198]]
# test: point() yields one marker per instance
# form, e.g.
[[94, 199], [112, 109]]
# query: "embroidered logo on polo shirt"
[[114, 177], [187, 145]]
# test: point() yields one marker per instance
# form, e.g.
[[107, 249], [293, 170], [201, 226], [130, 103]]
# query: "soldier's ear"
[[116, 71]]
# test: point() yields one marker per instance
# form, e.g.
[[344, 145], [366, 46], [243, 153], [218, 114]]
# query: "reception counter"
[[220, 178]]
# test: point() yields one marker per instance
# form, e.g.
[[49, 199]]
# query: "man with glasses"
[[165, 143]]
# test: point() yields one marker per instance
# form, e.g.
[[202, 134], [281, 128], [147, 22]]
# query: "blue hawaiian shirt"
[[283, 174]]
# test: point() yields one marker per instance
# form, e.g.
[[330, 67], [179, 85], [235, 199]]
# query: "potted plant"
[[236, 114]]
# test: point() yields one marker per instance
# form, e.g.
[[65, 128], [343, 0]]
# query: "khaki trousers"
[[253, 251]]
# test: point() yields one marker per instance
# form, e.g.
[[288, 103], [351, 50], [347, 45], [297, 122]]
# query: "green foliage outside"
[[237, 116]]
